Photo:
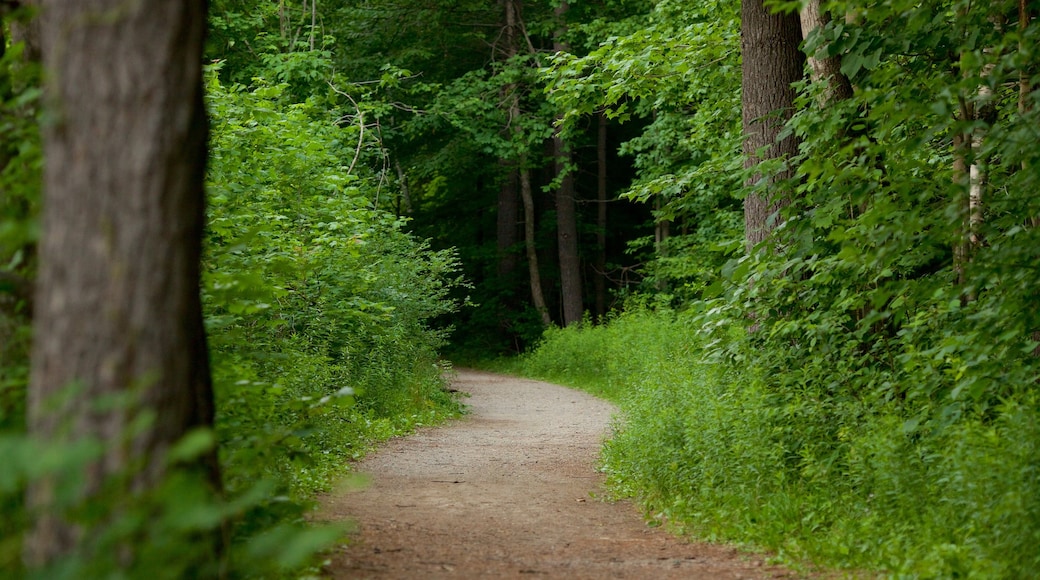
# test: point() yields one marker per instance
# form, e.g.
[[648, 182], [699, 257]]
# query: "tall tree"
[[514, 29], [772, 62], [508, 199], [566, 208], [117, 304]]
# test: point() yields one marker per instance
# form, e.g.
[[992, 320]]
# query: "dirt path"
[[508, 492]]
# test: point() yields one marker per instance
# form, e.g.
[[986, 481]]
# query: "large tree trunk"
[[118, 308], [566, 208], [772, 61]]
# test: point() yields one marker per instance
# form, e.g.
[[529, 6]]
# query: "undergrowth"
[[711, 445], [317, 309]]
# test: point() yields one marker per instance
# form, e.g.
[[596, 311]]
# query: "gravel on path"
[[511, 491]]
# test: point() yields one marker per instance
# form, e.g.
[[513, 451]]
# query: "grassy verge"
[[712, 445]]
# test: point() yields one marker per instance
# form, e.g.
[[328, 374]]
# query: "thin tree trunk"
[[118, 307], [507, 219], [508, 202], [772, 62], [662, 231], [969, 169], [537, 298], [566, 208], [405, 200], [962, 143], [28, 32], [1025, 86], [601, 218]]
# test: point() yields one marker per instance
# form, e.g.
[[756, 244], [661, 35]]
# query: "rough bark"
[[117, 305], [27, 31], [566, 208], [772, 61], [824, 69]]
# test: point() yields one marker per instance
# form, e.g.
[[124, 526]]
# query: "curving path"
[[509, 491]]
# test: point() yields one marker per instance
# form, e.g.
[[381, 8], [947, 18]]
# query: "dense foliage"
[[861, 392], [711, 447], [858, 391], [318, 308]]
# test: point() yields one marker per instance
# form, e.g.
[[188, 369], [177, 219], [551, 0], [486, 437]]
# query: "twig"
[[361, 124]]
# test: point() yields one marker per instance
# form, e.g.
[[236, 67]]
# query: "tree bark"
[[970, 166], [28, 32], [828, 70], [117, 306], [772, 61], [566, 208], [537, 298]]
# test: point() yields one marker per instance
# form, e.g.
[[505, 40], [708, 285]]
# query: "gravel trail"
[[511, 491]]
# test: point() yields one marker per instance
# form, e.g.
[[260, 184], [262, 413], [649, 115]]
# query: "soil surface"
[[511, 490]]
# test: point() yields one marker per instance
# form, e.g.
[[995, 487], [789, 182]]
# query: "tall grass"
[[708, 443]]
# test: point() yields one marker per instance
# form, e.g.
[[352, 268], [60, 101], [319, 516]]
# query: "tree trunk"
[[28, 32], [772, 61], [961, 180], [537, 298], [508, 201], [601, 219], [118, 308], [828, 69], [970, 167], [404, 200], [508, 217], [566, 210], [662, 231]]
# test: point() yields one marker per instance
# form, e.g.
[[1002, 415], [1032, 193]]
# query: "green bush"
[[318, 309]]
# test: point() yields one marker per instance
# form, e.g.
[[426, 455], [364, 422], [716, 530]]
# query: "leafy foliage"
[[318, 311], [863, 394], [711, 447], [317, 301]]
